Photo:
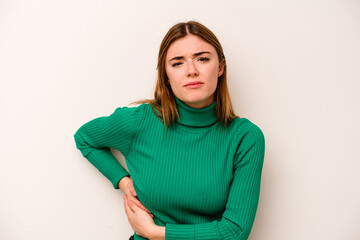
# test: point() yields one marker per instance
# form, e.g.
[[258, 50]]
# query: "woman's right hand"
[[127, 186]]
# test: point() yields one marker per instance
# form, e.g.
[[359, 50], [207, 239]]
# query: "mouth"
[[194, 84]]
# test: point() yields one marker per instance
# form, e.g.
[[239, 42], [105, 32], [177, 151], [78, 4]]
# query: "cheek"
[[171, 74], [212, 74], [174, 82], [213, 85], [211, 70], [172, 85], [213, 78], [175, 78]]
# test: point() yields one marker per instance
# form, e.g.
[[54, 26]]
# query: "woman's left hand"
[[141, 221]]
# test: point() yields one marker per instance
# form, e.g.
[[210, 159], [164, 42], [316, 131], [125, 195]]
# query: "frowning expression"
[[193, 68]]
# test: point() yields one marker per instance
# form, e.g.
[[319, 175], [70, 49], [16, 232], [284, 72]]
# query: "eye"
[[204, 59], [176, 64]]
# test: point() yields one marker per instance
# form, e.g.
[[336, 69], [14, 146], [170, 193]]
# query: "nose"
[[192, 70]]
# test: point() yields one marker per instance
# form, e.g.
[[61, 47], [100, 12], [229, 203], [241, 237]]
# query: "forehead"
[[187, 46]]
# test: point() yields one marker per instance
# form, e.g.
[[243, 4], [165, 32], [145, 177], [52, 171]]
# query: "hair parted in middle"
[[164, 104]]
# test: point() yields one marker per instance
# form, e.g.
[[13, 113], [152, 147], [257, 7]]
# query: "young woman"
[[194, 166]]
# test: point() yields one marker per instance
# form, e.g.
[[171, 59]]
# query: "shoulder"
[[129, 111], [248, 132], [250, 142], [143, 112], [127, 116]]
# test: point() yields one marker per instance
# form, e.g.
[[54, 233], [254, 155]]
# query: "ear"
[[221, 67]]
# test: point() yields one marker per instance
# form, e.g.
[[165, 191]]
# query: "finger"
[[136, 201], [130, 202], [128, 209], [133, 192], [136, 208], [140, 205]]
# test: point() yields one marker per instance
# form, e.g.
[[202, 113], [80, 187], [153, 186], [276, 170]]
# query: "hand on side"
[[141, 221], [127, 186], [139, 217]]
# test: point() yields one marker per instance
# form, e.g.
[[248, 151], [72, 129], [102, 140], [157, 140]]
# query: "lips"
[[194, 84]]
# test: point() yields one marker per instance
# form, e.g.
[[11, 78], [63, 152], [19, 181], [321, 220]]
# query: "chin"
[[197, 100], [194, 99]]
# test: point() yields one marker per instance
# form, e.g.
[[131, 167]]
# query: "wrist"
[[122, 183], [158, 233]]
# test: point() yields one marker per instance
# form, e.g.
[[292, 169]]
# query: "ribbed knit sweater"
[[199, 179]]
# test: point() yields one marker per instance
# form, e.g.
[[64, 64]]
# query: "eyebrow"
[[195, 54]]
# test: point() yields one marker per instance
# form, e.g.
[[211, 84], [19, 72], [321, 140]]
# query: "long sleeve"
[[95, 138], [241, 206]]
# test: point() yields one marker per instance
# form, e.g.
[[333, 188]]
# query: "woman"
[[195, 166]]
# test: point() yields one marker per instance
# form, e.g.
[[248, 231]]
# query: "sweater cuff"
[[179, 231], [203, 231], [122, 173]]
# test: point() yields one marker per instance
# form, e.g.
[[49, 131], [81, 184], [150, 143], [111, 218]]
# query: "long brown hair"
[[164, 104]]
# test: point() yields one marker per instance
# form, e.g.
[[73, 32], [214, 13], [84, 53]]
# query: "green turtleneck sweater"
[[199, 179]]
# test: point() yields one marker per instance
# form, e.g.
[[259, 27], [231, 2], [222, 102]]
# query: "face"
[[193, 68]]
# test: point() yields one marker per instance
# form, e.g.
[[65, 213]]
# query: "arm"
[[239, 214], [95, 138]]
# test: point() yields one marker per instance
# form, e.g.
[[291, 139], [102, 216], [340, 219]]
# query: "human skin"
[[141, 221], [188, 60], [192, 60], [127, 186]]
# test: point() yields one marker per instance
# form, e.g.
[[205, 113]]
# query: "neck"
[[196, 117], [202, 104]]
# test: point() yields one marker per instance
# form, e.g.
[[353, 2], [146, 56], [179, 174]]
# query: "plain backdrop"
[[293, 69]]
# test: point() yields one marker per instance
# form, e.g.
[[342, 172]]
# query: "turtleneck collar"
[[195, 117]]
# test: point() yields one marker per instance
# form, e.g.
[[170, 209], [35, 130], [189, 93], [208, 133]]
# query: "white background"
[[293, 69]]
